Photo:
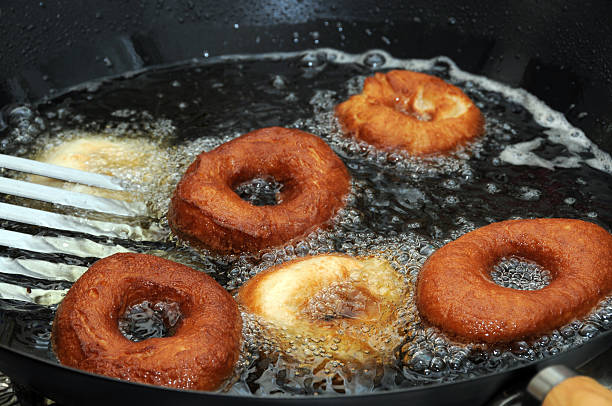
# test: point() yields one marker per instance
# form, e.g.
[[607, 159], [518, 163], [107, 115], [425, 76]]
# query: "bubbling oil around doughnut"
[[531, 163]]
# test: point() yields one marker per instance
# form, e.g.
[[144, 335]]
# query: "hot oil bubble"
[[528, 193], [313, 63], [374, 60]]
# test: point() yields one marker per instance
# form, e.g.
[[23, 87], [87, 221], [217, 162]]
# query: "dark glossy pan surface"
[[558, 51]]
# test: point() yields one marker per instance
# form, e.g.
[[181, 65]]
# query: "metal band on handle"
[[548, 378]]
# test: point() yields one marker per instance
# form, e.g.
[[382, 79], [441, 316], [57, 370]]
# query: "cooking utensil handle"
[[579, 391], [558, 385]]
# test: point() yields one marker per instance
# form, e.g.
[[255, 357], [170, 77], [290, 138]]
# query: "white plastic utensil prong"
[[69, 198], [59, 172]]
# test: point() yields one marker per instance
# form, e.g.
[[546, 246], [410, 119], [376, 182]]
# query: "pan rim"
[[537, 364]]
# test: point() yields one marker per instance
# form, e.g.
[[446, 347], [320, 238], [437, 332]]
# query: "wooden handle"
[[579, 391]]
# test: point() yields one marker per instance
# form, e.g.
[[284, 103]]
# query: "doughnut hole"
[[150, 320], [261, 191], [151, 311], [520, 273]]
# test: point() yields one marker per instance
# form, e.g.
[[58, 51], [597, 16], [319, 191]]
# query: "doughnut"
[[199, 355], [456, 293], [348, 306], [136, 159], [410, 111], [206, 211]]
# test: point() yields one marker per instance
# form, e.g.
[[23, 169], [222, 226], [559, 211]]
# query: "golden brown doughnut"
[[418, 113], [200, 355], [206, 211], [348, 306], [456, 293]]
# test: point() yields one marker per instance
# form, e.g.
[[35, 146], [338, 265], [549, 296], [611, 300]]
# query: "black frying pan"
[[73, 387], [559, 52]]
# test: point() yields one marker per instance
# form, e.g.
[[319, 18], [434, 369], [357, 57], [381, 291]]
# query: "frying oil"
[[530, 163]]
